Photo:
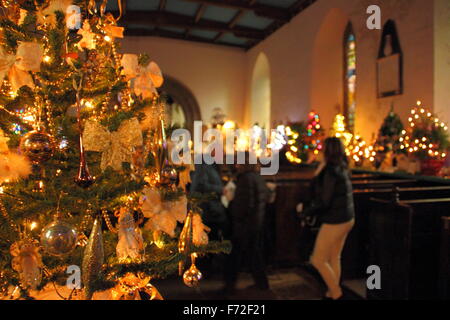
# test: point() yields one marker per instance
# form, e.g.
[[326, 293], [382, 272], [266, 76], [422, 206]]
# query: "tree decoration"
[[93, 258], [27, 262], [131, 243], [27, 58], [12, 165], [59, 238], [131, 287], [38, 146], [192, 276], [116, 146], [88, 37]]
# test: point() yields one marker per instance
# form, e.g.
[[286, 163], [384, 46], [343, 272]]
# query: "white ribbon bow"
[[17, 67]]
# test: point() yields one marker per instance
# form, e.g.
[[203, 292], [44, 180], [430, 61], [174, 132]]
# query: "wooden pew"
[[404, 241], [444, 270]]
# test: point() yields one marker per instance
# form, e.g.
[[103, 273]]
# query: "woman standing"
[[333, 205]]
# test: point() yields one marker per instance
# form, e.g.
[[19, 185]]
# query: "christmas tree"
[[304, 141], [426, 138], [339, 129], [85, 177], [388, 137]]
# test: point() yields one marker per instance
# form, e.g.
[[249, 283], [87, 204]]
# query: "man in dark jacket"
[[247, 215], [206, 181]]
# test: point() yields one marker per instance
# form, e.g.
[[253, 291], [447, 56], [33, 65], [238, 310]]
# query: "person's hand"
[[299, 208]]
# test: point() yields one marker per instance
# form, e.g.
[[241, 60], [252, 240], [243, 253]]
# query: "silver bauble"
[[59, 238], [168, 176]]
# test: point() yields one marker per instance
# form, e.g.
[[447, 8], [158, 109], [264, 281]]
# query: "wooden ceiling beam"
[[169, 19], [173, 35], [231, 24], [200, 12], [261, 10]]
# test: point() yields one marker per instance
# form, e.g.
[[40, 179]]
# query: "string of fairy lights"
[[422, 137]]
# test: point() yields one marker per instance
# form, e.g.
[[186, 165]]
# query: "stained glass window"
[[350, 78]]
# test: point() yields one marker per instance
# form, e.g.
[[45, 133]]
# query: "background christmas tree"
[[304, 141], [90, 124], [388, 137]]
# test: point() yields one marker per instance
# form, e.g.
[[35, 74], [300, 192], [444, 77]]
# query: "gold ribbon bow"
[[117, 146], [17, 67]]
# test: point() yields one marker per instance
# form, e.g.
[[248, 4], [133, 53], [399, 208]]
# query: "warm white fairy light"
[[423, 144]]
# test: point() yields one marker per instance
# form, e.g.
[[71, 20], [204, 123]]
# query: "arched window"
[[261, 94], [350, 77]]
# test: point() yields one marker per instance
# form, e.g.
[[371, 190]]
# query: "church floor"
[[286, 284]]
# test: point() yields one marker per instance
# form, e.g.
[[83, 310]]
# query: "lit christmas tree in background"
[[426, 139], [388, 140], [304, 141]]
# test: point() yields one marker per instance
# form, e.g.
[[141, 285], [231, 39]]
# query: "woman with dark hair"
[[332, 203]]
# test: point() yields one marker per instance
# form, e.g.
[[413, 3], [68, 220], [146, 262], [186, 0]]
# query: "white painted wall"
[[307, 70], [261, 93], [442, 59], [305, 60], [214, 74]]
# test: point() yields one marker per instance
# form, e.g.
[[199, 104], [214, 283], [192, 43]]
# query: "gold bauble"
[[38, 146]]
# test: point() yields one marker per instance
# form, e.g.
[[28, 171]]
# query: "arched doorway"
[[261, 93], [181, 105]]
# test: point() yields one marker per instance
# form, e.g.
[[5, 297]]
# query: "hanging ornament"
[[83, 178], [117, 146], [131, 243], [38, 146], [169, 176], [185, 240], [88, 37], [59, 238], [192, 276], [27, 262], [131, 287], [199, 231], [93, 258]]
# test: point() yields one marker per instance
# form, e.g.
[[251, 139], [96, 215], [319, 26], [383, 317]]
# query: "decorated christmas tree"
[[426, 139], [339, 129], [304, 141], [86, 183], [387, 142]]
